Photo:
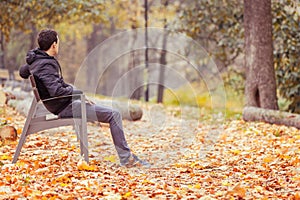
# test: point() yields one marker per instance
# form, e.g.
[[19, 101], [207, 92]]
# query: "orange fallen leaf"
[[297, 195], [19, 131], [83, 166], [237, 190], [268, 159]]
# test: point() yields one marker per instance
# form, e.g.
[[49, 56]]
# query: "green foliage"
[[218, 26], [286, 25], [26, 14]]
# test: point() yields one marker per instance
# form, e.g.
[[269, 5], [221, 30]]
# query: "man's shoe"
[[134, 161]]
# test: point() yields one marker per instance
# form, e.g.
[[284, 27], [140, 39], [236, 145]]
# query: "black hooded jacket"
[[47, 74]]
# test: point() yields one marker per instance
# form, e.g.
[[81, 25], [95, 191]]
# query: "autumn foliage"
[[247, 161]]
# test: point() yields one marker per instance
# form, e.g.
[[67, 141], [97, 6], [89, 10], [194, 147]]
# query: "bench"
[[39, 119]]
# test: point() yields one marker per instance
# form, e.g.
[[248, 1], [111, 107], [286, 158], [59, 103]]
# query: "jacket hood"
[[36, 54]]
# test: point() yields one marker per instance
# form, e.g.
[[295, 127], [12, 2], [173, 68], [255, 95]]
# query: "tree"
[[260, 86], [286, 40], [218, 26], [163, 61], [29, 16]]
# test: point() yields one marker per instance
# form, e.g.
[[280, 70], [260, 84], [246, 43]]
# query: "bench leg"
[[25, 130], [19, 147], [84, 143], [77, 131], [83, 131]]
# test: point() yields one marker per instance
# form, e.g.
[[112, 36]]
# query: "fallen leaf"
[[5, 157], [83, 166], [126, 195], [297, 196], [237, 190], [111, 158], [268, 159]]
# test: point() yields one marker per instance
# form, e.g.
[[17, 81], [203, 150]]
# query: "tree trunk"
[[92, 41], [260, 88], [2, 51], [146, 52], [163, 61], [33, 35], [271, 116]]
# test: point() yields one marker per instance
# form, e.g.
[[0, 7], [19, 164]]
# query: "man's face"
[[57, 46]]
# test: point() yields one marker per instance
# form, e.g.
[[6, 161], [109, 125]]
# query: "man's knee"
[[116, 114]]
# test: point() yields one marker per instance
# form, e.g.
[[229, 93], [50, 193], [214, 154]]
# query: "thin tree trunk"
[[260, 88], [146, 52], [33, 37], [163, 62], [92, 41], [2, 52]]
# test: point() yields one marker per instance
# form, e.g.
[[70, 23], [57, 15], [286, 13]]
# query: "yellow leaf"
[[5, 157], [225, 183], [83, 166], [72, 148], [194, 164], [111, 158], [197, 186], [126, 195], [268, 159], [63, 184], [148, 182], [20, 164], [236, 152]]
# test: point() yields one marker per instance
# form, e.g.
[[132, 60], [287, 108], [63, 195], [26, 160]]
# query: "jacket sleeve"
[[24, 71], [49, 76]]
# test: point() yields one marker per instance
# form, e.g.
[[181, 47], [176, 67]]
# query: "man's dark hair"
[[46, 38]]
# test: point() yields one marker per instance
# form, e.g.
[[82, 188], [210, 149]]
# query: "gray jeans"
[[106, 115]]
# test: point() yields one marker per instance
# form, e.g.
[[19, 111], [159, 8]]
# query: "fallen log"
[[271, 116], [8, 133], [21, 100], [128, 111]]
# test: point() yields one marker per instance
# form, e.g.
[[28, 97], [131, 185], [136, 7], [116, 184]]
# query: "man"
[[50, 83]]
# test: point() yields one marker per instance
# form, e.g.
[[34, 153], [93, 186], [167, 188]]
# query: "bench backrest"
[[34, 88]]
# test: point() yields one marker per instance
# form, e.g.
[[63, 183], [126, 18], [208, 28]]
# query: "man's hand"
[[89, 101]]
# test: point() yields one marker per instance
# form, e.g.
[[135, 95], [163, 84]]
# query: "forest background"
[[216, 25], [192, 156]]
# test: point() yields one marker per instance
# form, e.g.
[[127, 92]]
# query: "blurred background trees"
[[216, 25]]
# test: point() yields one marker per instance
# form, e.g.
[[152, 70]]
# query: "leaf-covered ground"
[[190, 160]]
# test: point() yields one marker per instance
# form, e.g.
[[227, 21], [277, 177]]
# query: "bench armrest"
[[79, 96]]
